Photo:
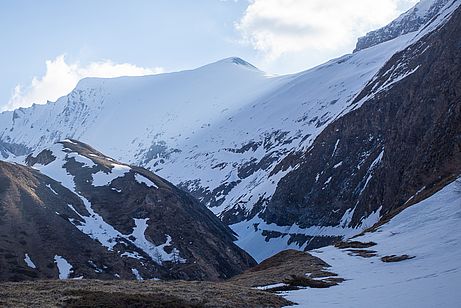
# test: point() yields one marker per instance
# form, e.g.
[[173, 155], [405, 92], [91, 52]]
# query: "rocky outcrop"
[[408, 22], [106, 220]]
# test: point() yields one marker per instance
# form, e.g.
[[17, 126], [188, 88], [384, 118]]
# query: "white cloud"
[[61, 77], [280, 28]]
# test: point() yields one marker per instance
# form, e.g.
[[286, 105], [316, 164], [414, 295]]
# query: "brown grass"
[[290, 267], [91, 293]]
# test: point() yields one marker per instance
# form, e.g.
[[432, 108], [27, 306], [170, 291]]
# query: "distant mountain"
[[80, 214], [291, 161]]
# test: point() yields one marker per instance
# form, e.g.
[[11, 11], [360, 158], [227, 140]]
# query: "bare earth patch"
[[364, 253], [395, 258], [354, 244]]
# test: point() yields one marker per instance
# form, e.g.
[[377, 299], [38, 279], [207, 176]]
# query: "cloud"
[[61, 77], [278, 28]]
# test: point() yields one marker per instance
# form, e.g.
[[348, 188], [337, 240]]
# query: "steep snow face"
[[138, 110], [429, 232]]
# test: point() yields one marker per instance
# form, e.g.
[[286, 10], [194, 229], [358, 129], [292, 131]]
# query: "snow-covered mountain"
[[229, 133]]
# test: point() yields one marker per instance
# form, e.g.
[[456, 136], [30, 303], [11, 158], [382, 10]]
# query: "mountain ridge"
[[133, 223]]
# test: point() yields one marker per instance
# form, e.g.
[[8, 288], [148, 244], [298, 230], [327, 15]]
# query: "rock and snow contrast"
[[73, 212], [286, 162], [428, 233]]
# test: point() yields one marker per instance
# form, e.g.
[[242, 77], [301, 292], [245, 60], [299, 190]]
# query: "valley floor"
[[97, 293]]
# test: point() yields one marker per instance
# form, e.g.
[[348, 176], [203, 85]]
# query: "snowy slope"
[[218, 131], [138, 110], [429, 231]]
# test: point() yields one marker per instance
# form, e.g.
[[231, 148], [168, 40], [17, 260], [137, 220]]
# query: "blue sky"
[[42, 41]]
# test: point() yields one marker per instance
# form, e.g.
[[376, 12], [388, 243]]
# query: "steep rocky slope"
[[396, 143], [79, 213], [402, 144], [409, 21]]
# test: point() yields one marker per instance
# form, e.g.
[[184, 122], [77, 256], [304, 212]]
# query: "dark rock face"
[[7, 148], [402, 144], [408, 22], [182, 238]]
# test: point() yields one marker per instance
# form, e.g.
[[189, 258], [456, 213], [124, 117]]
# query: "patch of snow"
[[29, 262], [136, 274], [95, 227], [271, 286], [64, 267], [336, 147], [51, 188], [102, 178], [70, 141], [371, 169], [143, 180], [157, 253], [133, 255], [415, 195], [88, 163], [347, 217]]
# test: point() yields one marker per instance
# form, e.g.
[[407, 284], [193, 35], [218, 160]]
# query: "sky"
[[48, 45]]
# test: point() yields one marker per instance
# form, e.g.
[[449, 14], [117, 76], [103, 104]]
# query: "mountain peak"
[[412, 20], [236, 61]]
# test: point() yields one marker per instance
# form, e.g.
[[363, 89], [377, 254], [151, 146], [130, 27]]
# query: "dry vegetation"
[[295, 268], [91, 293]]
